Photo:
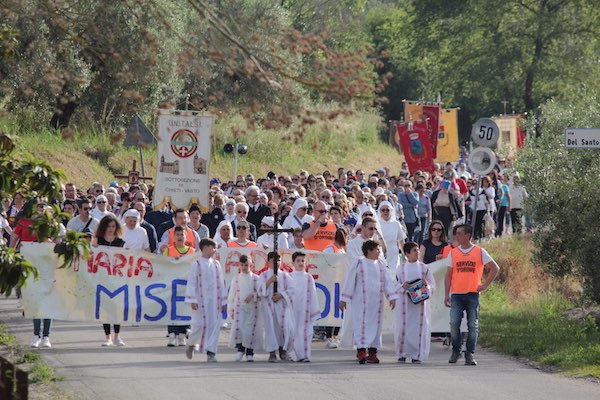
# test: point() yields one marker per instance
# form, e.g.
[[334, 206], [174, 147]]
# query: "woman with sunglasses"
[[432, 246], [242, 232]]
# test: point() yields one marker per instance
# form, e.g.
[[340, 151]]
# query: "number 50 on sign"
[[485, 132]]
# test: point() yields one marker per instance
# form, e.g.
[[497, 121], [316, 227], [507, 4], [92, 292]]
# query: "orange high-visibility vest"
[[446, 251], [173, 251], [323, 238], [467, 270], [235, 244], [190, 238]]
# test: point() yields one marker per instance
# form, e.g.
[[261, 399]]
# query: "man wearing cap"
[[320, 233]]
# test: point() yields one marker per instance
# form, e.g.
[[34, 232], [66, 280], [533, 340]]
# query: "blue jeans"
[[460, 303], [421, 236], [37, 324]]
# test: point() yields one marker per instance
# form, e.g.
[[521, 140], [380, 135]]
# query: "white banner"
[[184, 142], [121, 286]]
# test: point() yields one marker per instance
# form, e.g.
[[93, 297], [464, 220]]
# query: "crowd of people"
[[399, 222]]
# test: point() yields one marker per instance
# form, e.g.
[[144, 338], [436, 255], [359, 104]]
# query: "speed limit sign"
[[485, 132]]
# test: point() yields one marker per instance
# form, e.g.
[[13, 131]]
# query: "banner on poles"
[[116, 285], [184, 149], [447, 147], [414, 140]]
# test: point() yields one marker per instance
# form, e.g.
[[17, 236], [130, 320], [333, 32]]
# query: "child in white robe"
[[243, 306], [207, 295], [276, 310], [412, 333], [367, 285], [305, 306]]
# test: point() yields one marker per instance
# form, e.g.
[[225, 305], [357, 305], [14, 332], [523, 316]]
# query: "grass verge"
[[524, 315], [87, 155], [39, 372]]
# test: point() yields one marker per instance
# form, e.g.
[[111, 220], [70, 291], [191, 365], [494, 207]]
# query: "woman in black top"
[[436, 240], [108, 233]]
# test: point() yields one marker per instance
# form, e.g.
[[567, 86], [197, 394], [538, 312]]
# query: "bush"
[[563, 184]]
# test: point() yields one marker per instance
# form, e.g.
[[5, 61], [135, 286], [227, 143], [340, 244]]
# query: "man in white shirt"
[[84, 222]]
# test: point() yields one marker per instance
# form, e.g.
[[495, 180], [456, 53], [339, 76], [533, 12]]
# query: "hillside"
[[351, 142]]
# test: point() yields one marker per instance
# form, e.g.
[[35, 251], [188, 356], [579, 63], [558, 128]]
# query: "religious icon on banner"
[[416, 146]]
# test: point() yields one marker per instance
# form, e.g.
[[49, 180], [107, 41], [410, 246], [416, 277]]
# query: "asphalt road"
[[146, 369]]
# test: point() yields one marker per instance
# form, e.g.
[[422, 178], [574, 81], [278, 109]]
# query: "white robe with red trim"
[[246, 327], [278, 318], [412, 332], [305, 306], [367, 285], [206, 287]]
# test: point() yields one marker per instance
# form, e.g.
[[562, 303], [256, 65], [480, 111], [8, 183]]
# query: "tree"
[[34, 179], [106, 60], [564, 190]]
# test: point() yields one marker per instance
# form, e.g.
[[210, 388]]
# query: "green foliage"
[[30, 358], [564, 189], [5, 337], [42, 373], [72, 247], [14, 270], [538, 330]]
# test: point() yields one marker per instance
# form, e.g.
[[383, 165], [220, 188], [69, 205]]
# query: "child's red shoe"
[[362, 357], [372, 358]]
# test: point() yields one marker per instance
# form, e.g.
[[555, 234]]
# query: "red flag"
[[432, 113], [520, 136], [416, 146]]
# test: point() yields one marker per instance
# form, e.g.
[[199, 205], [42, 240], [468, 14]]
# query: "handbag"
[[417, 292]]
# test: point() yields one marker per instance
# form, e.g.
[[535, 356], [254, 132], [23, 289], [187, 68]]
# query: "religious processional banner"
[[120, 286], [416, 147], [184, 145], [447, 147]]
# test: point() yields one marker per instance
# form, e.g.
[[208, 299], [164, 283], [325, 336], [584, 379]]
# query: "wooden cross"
[[133, 177]]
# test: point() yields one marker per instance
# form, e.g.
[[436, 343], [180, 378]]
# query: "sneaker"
[[239, 355], [35, 341], [402, 360], [331, 344], [211, 358], [181, 339], [272, 357], [469, 360], [172, 340], [189, 352], [362, 357], [372, 358], [306, 360], [416, 361], [119, 342], [283, 355], [46, 342], [108, 343], [454, 357], [250, 358]]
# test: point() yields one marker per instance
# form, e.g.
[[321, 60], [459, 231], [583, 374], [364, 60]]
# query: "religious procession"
[[279, 261]]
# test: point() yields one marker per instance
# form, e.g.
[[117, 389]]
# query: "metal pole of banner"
[[235, 162], [474, 215], [137, 128]]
